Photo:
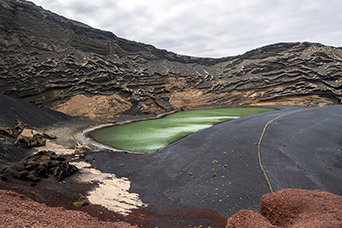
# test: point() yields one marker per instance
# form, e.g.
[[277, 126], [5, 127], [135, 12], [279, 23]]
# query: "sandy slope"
[[184, 173]]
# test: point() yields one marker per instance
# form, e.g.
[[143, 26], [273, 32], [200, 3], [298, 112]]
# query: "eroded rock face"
[[30, 138], [19, 126], [41, 165], [49, 60], [95, 106], [8, 132]]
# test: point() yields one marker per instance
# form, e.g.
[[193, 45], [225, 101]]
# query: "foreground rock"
[[248, 219], [293, 208], [41, 165], [38, 47], [17, 210], [302, 208]]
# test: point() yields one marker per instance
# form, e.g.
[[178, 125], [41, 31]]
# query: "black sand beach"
[[205, 177], [218, 168]]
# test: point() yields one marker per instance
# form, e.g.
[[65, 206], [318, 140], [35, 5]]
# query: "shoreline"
[[156, 179], [83, 140]]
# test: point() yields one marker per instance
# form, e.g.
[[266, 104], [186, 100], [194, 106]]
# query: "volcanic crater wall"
[[48, 60]]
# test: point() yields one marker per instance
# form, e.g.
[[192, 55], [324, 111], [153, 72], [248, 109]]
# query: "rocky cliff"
[[68, 66]]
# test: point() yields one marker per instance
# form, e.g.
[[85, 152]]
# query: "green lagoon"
[[151, 135]]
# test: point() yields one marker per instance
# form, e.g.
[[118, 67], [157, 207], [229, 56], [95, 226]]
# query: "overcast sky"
[[209, 28]]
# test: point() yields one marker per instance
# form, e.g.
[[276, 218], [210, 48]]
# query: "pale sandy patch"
[[58, 149], [112, 192]]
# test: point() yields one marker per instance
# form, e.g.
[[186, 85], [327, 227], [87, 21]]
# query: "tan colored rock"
[[30, 138], [310, 100], [196, 97], [248, 219], [297, 208], [19, 126], [8, 132], [98, 106]]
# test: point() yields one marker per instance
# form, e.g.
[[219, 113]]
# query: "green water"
[[150, 135]]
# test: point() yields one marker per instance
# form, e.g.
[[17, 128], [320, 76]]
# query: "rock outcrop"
[[30, 138], [50, 60], [41, 165], [25, 137], [248, 219], [6, 131], [293, 208]]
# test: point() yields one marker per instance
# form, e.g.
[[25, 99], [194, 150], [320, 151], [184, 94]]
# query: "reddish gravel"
[[17, 210], [248, 219], [292, 208], [296, 208]]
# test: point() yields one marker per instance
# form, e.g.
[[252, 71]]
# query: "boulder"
[[302, 208], [19, 126], [30, 138], [292, 208], [8, 132], [26, 137], [248, 219], [41, 165]]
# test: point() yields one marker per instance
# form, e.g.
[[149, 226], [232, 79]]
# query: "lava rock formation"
[[51, 61]]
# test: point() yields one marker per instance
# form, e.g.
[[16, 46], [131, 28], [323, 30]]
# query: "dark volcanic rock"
[[47, 59], [19, 126], [41, 165], [13, 109], [26, 137], [8, 132], [13, 133]]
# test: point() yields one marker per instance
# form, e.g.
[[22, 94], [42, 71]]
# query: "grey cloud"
[[209, 28]]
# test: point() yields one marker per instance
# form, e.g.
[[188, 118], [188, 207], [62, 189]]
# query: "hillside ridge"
[[52, 61]]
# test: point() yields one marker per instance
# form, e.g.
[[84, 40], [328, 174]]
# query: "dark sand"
[[300, 150], [182, 183]]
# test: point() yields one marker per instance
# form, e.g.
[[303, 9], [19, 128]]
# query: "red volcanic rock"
[[302, 208], [293, 208], [248, 219], [17, 210]]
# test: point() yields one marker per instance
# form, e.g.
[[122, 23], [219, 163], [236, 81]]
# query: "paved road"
[[218, 168]]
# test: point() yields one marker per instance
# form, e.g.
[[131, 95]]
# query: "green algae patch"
[[78, 204], [151, 135]]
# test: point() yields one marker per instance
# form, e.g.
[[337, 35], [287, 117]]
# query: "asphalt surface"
[[218, 168]]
